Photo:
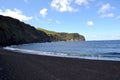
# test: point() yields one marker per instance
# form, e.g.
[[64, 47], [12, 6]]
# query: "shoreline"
[[64, 55], [17, 66]]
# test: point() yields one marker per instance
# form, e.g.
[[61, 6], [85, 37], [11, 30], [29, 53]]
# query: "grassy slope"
[[62, 36], [47, 31]]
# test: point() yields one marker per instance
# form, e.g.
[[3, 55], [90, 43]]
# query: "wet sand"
[[19, 66]]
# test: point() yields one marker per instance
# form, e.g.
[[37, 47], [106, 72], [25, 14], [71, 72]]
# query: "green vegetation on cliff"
[[62, 36]]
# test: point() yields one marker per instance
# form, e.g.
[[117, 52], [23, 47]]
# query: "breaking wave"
[[112, 56]]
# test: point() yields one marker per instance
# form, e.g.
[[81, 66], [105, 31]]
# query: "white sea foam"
[[91, 57], [35, 52]]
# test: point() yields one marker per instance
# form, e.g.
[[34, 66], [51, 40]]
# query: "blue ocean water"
[[100, 50]]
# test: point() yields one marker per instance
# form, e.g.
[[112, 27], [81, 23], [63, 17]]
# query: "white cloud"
[[62, 5], [43, 12], [90, 23], [106, 11], [110, 15], [105, 8], [16, 13], [66, 5], [82, 2]]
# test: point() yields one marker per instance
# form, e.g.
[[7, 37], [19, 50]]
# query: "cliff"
[[12, 31], [63, 36]]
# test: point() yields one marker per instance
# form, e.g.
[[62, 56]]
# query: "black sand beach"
[[17, 66]]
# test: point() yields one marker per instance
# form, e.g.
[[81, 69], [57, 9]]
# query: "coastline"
[[19, 66]]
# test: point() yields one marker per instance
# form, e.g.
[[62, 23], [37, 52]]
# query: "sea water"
[[95, 50]]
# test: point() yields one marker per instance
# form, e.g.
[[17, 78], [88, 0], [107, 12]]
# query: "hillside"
[[62, 36], [12, 31]]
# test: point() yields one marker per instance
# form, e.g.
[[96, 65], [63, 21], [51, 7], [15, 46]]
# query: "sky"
[[95, 19]]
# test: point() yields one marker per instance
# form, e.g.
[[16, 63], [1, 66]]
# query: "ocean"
[[95, 50]]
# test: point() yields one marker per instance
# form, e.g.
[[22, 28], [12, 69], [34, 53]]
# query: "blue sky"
[[95, 19]]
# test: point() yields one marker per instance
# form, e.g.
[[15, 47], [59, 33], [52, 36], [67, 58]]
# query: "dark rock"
[[12, 31]]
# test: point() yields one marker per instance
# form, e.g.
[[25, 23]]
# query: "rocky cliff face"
[[12, 31]]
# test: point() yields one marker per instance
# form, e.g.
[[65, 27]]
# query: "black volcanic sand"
[[19, 66]]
